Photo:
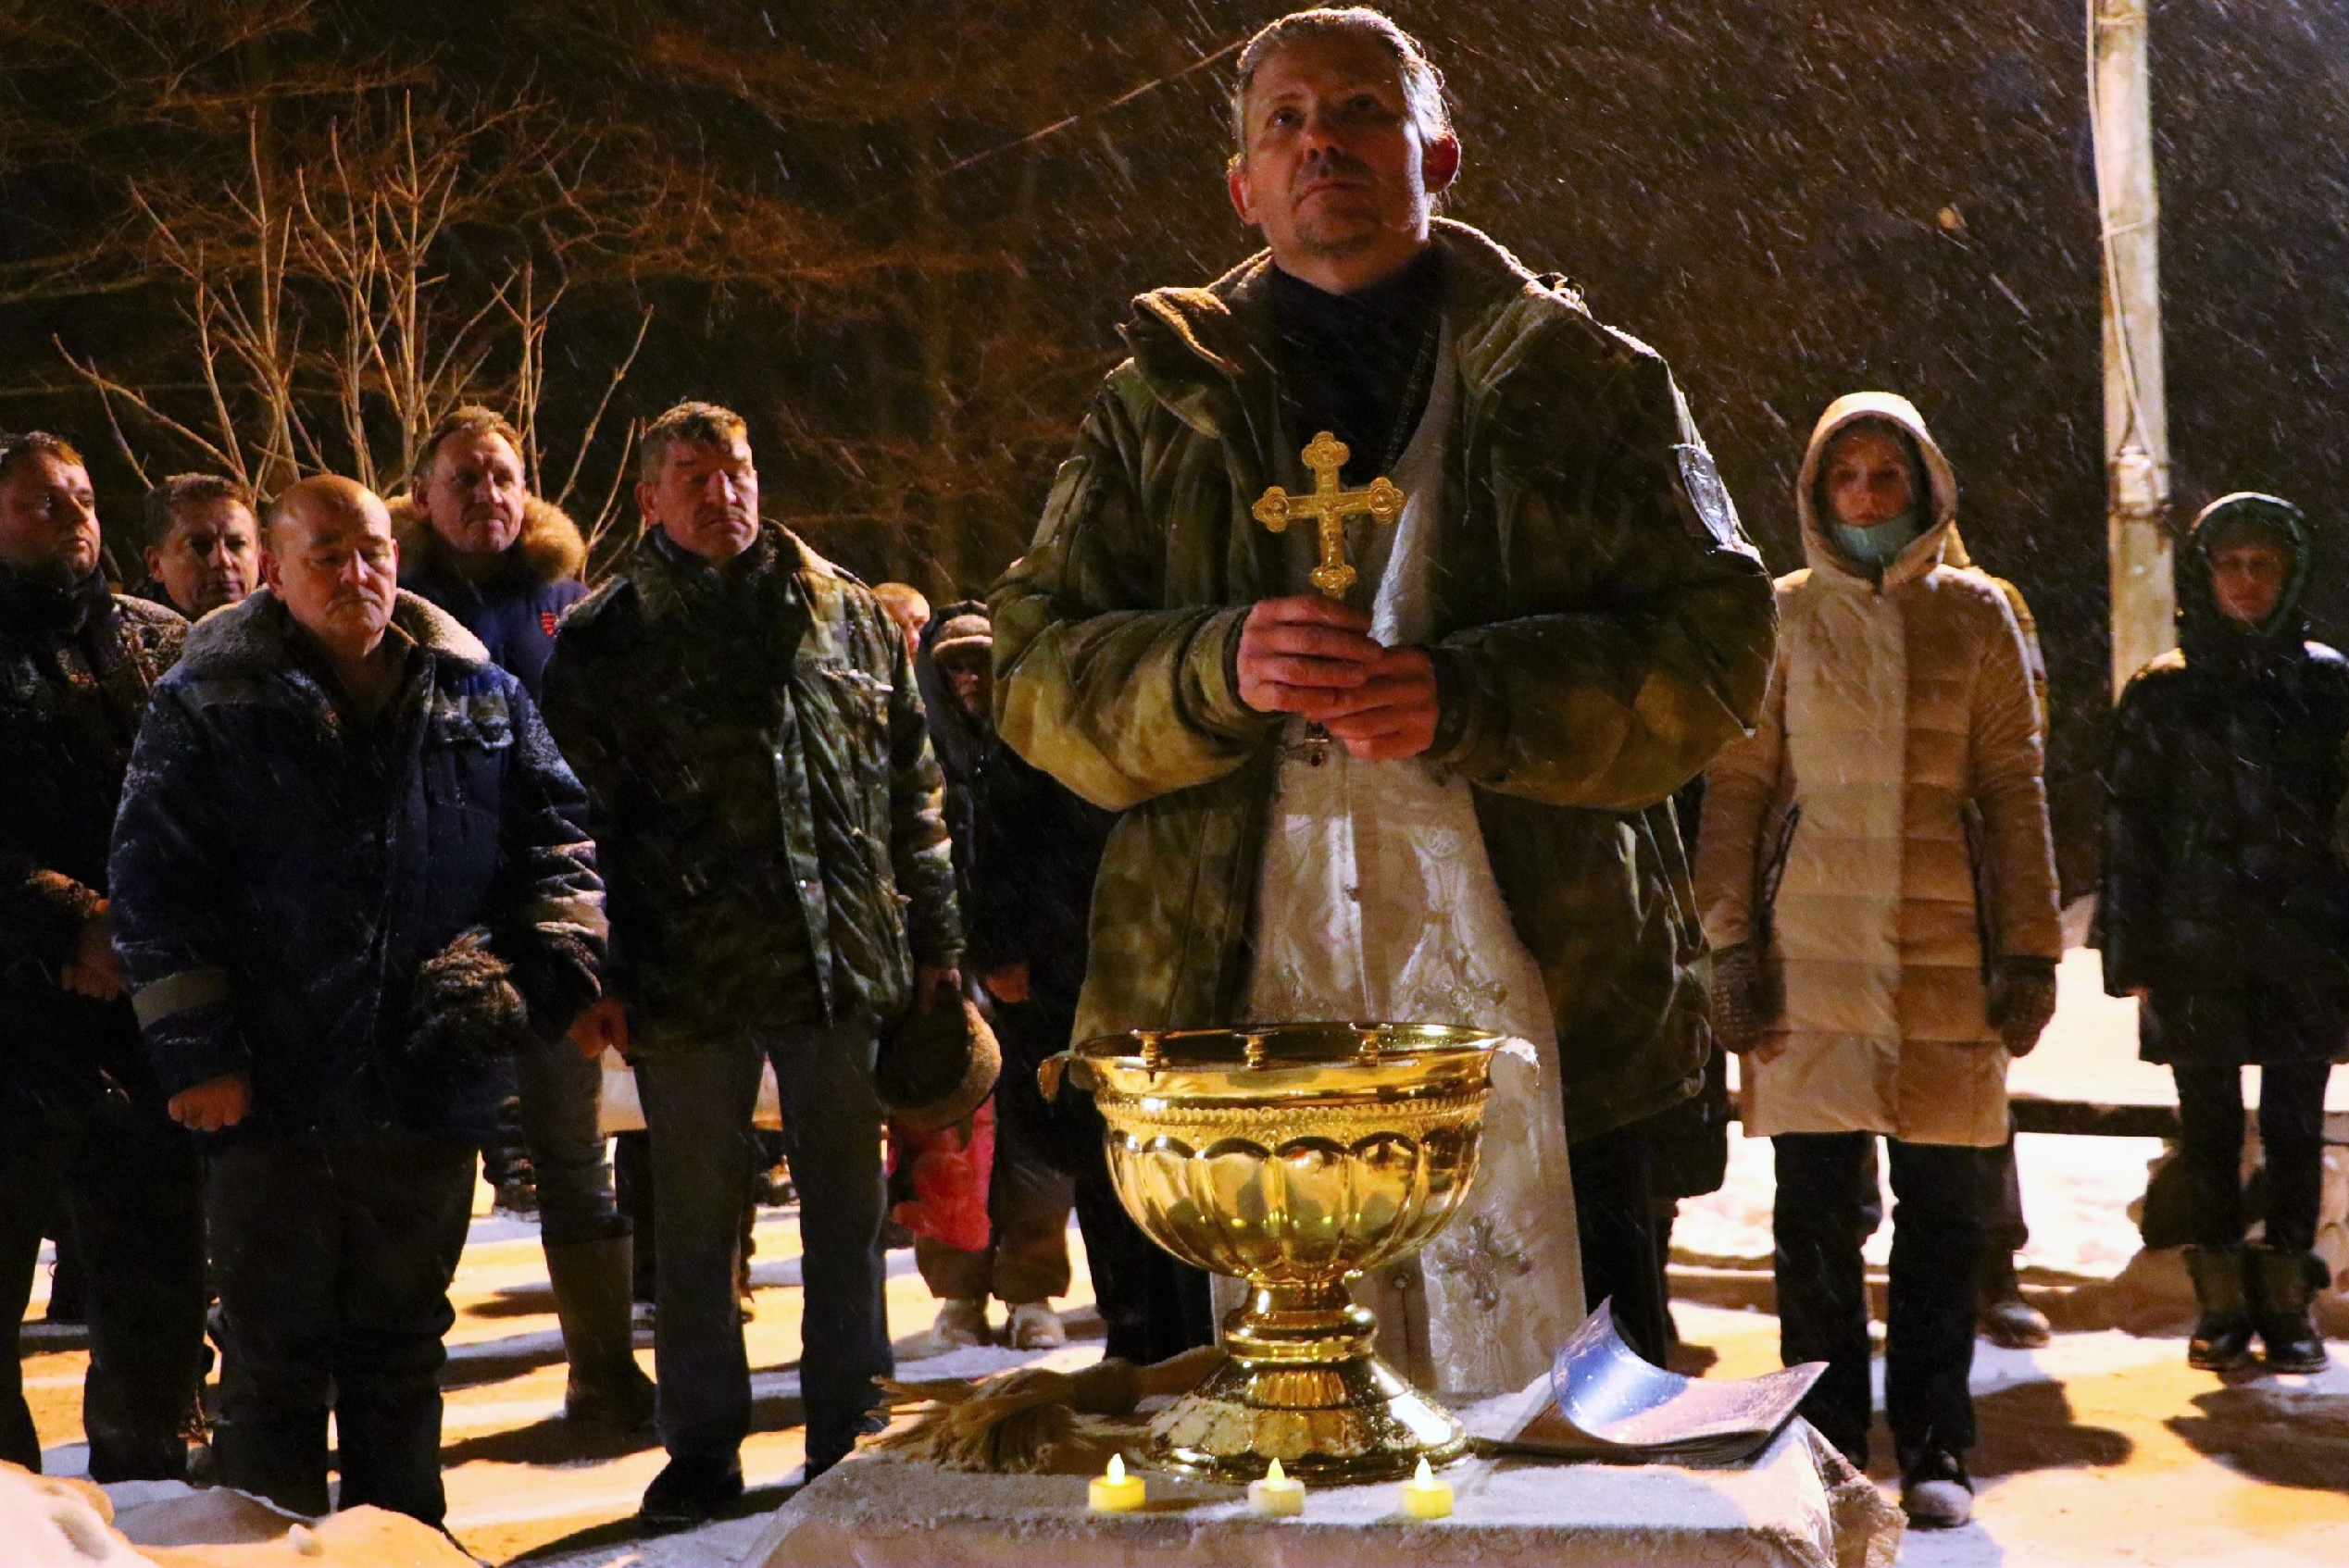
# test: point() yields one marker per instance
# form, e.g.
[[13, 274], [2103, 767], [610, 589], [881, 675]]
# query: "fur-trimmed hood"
[[248, 637], [549, 549]]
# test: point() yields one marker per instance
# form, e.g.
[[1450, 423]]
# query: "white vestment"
[[1377, 903]]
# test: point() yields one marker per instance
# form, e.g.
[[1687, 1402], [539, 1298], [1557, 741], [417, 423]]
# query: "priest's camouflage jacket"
[[1603, 629]]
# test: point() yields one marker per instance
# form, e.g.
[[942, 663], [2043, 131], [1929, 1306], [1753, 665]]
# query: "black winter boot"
[[2283, 1294], [2222, 1334], [591, 1281], [690, 1491]]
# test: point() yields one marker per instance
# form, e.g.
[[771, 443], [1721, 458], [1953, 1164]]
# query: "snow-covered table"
[[1796, 1504]]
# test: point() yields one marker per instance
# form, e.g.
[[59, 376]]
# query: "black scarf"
[[1360, 365], [78, 614]]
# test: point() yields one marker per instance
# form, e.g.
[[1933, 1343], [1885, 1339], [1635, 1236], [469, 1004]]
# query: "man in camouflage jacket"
[[1605, 629], [744, 717], [1589, 626]]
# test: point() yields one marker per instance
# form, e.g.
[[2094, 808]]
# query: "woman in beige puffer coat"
[[1876, 873]]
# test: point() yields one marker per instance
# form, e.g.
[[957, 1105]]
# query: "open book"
[[1602, 1402]]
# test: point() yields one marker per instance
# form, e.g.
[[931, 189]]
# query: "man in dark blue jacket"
[[351, 874], [475, 541], [77, 1102]]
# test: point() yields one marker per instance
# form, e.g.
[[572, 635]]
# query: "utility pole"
[[2136, 415]]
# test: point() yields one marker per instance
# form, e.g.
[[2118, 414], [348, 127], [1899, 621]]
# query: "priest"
[[1408, 757]]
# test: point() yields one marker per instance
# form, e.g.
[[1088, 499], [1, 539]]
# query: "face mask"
[[1881, 545]]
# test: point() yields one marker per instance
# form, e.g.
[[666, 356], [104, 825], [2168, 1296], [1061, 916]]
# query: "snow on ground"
[[2076, 1196], [2103, 1448]]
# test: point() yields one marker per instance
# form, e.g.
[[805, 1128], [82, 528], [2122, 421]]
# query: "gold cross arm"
[[1381, 501]]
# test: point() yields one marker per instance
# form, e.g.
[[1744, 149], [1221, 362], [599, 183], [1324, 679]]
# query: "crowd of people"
[[365, 820]]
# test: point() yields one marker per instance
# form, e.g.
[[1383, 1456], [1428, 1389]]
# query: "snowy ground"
[[2103, 1448]]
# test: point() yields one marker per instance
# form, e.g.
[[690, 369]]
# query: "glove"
[[465, 1010], [2021, 1000], [1745, 997]]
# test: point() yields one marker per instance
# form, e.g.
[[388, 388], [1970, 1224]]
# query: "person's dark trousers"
[[1822, 1296], [1615, 1211], [126, 1183], [333, 1255], [506, 1158], [632, 1194], [133, 1195], [698, 1098], [69, 1290], [2291, 1129], [2002, 1196], [1028, 1195], [129, 1185], [559, 1091], [1152, 1305], [1026, 1258], [26, 1162]]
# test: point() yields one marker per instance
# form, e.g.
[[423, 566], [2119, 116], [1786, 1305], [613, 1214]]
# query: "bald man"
[[351, 877]]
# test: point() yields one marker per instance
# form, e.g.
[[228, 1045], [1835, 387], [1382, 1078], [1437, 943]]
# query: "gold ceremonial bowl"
[[1293, 1157]]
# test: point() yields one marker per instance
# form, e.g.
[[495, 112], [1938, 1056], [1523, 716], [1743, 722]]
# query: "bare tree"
[[338, 310]]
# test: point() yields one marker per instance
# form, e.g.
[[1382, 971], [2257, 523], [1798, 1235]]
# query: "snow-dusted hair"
[[1422, 83], [701, 424]]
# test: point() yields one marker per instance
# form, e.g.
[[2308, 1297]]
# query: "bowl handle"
[[1067, 1064]]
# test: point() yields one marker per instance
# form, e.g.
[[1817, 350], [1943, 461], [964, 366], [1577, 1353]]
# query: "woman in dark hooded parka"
[[2225, 908]]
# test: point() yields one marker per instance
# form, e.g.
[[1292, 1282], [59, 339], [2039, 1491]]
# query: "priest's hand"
[[1305, 654], [1392, 714], [213, 1104]]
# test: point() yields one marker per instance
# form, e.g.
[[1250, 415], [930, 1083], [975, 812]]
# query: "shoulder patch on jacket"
[[1710, 514]]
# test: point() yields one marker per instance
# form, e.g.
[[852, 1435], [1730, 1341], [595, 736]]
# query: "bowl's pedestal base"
[[1339, 1423]]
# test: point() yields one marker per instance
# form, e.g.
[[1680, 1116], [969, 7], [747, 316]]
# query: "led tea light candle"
[[1424, 1497], [1276, 1494], [1116, 1492]]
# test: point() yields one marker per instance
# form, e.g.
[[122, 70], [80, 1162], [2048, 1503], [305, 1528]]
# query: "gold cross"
[[1330, 506]]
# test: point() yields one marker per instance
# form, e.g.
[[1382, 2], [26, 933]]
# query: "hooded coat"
[[77, 667], [2221, 871], [1601, 628], [516, 608], [1884, 829], [281, 874]]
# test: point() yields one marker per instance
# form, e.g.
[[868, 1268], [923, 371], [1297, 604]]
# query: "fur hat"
[[938, 1064], [962, 637]]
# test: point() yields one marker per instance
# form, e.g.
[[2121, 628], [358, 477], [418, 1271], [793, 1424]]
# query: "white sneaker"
[[960, 1325], [1035, 1326]]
